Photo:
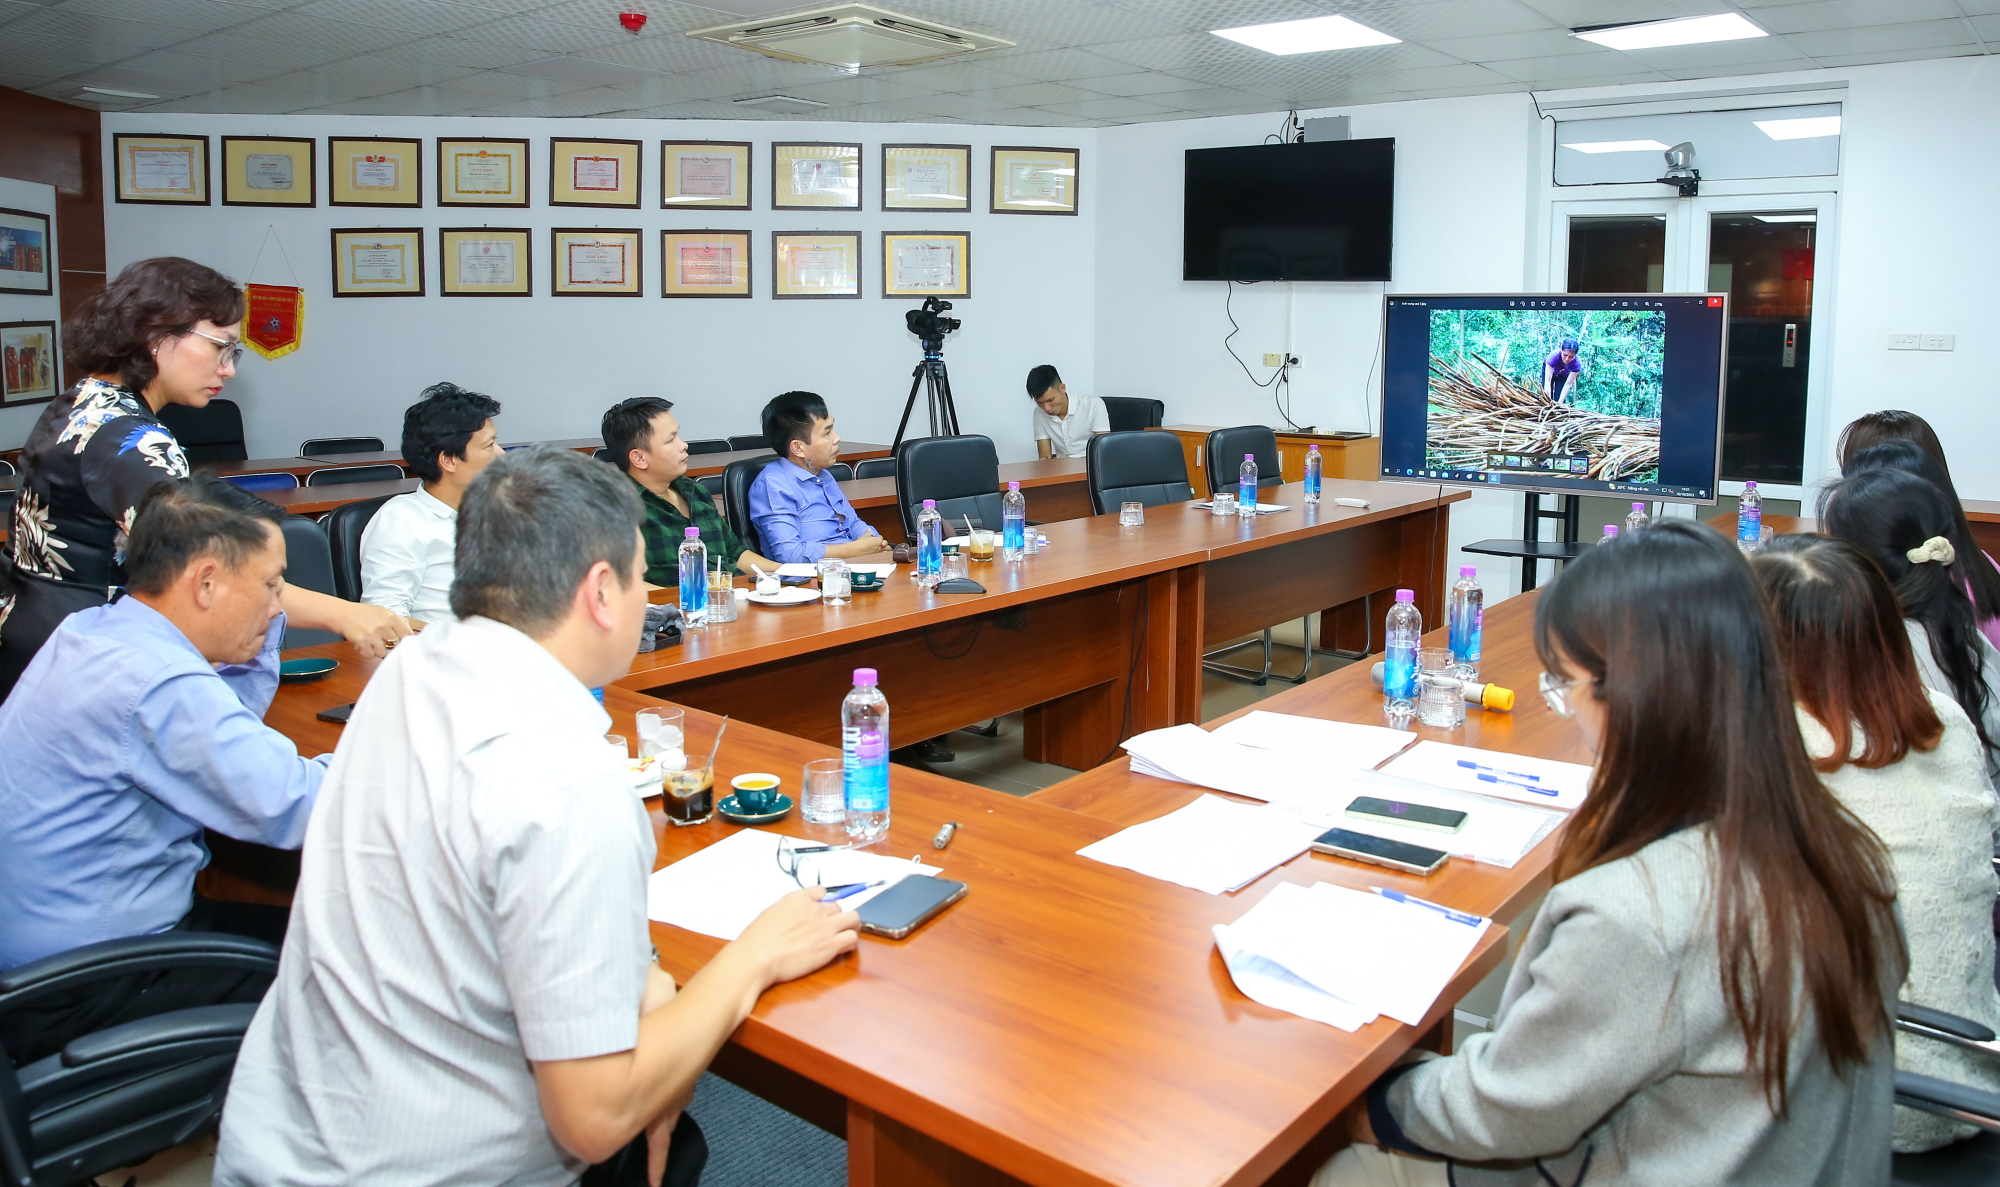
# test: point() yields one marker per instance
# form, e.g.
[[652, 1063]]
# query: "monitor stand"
[[1565, 547]]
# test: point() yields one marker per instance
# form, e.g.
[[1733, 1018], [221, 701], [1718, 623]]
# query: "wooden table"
[[318, 500], [1358, 458], [298, 467], [1056, 489], [1981, 516]]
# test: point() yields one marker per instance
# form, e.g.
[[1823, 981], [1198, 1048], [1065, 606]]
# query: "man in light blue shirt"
[[795, 503], [139, 724]]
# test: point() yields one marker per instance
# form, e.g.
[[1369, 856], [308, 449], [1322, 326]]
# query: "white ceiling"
[[1077, 63]]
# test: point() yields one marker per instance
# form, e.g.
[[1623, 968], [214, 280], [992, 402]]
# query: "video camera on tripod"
[[930, 327]]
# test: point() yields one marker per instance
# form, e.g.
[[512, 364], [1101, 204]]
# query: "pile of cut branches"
[[1477, 411]]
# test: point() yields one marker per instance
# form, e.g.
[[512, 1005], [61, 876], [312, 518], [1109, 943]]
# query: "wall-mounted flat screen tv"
[[1316, 211]]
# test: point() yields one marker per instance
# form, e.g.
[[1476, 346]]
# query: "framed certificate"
[[926, 264], [596, 261], [714, 174], [585, 172], [814, 176], [484, 262], [482, 172], [378, 262], [25, 240], [269, 171], [1034, 180], [809, 264], [705, 263], [374, 171], [29, 363], [926, 177], [166, 169]]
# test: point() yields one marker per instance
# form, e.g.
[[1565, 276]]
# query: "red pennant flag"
[[274, 318]]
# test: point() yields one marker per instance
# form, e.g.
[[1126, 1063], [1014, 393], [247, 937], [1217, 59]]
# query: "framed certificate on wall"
[[926, 264], [926, 177], [815, 264], [164, 169], [269, 171], [705, 263], [30, 367], [374, 171], [482, 172], [1034, 180], [378, 262], [586, 172], [815, 176], [26, 256], [596, 261], [711, 174], [485, 262]]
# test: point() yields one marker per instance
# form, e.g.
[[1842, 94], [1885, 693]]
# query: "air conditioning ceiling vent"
[[851, 36]]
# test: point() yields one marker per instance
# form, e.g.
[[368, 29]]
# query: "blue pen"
[[1469, 765], [840, 892], [1397, 896], [1514, 783]]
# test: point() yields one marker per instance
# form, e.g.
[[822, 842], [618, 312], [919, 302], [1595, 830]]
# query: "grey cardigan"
[[1614, 1058]]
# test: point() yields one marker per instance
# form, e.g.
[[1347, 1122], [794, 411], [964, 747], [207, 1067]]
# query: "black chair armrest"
[[1938, 1020], [1974, 1105], [134, 954], [188, 1031]]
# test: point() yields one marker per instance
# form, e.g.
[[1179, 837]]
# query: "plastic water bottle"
[[1013, 523], [1610, 534], [1246, 486], [1750, 520], [1312, 474], [864, 754], [1468, 620], [694, 579], [1405, 629], [1638, 519], [930, 544]]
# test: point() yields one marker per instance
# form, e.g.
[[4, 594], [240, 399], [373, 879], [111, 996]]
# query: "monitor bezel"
[[1389, 229], [1721, 401]]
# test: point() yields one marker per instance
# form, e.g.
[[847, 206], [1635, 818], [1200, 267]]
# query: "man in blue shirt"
[[139, 724], [795, 503]]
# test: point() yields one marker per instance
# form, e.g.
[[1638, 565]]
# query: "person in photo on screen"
[[407, 547], [1705, 995], [1063, 424], [801, 515], [642, 437], [468, 991], [1560, 371]]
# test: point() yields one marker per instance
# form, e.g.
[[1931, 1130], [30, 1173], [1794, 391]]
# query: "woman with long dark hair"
[[1890, 424], [1982, 578], [1705, 994], [1906, 760], [1904, 524], [166, 331]]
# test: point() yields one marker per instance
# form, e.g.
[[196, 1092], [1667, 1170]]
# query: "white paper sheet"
[[1495, 832], [1190, 754], [719, 890], [1267, 983], [1537, 781], [1341, 743], [1211, 845]]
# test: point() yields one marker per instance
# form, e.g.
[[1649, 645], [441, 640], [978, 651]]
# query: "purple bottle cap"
[[1750, 485], [1013, 486], [930, 504], [1638, 506], [1467, 571], [692, 533], [1610, 529], [1249, 457], [1312, 449], [864, 677], [1406, 595]]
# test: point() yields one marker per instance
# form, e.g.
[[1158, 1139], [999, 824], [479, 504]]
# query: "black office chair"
[[841, 471], [875, 467], [1135, 466], [737, 478], [1223, 454], [308, 565], [1127, 413], [1975, 1160], [118, 1096], [344, 525], [712, 483], [961, 473], [708, 445], [333, 446], [6, 468], [749, 441], [213, 433], [264, 480], [336, 475]]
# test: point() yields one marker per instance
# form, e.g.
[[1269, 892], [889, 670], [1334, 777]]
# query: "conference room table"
[[1055, 488], [1982, 516]]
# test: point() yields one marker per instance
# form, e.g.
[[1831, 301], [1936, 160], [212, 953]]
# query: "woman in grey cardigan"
[[1705, 996]]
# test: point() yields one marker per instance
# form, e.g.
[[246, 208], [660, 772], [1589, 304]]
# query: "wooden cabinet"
[[1340, 457]]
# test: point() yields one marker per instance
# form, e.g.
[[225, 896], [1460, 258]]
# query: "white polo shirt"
[[472, 897], [408, 551], [1069, 436]]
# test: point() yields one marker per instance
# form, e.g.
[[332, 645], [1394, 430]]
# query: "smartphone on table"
[[904, 907], [1396, 855]]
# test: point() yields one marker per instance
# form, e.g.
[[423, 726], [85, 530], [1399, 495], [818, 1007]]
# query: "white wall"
[[15, 422], [557, 364]]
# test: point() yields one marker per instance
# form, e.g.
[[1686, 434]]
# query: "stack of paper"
[[1344, 956], [1486, 772], [1263, 755], [1495, 832], [1262, 508], [1332, 743], [1211, 845], [719, 890]]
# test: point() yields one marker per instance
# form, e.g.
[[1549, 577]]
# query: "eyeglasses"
[[800, 861], [1555, 693], [226, 350]]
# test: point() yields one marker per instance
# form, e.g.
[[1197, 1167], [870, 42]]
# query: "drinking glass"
[[690, 796], [1442, 700], [660, 732], [836, 583], [1131, 515], [1222, 504], [823, 792], [981, 544], [721, 597], [954, 565], [617, 742]]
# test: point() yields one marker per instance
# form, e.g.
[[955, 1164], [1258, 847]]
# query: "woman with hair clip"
[[166, 331], [1907, 761], [1982, 577], [1904, 524], [1705, 994]]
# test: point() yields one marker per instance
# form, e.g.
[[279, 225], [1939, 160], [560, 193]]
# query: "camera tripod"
[[930, 374]]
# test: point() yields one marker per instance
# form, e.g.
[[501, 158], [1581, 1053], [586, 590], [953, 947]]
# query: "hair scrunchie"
[[1937, 548]]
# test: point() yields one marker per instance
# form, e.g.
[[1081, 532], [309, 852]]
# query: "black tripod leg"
[[909, 404]]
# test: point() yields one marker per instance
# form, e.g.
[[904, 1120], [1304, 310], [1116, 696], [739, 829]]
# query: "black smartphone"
[[337, 715], [1443, 820], [1411, 859], [902, 908]]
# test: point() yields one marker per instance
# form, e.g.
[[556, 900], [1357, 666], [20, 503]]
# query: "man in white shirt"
[[406, 549], [1063, 424], [467, 992]]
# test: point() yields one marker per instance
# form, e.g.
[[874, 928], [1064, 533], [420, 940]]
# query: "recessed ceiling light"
[[1723, 26], [1788, 218], [118, 94], [1596, 146], [1308, 36], [1803, 128], [788, 104]]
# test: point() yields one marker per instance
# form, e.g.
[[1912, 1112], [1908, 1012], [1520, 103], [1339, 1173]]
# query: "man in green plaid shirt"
[[643, 438]]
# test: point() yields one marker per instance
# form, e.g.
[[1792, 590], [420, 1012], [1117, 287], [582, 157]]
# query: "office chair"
[[209, 434], [1135, 466], [344, 525], [737, 478], [1127, 413], [875, 467], [1223, 454], [708, 445], [308, 565], [1975, 1160], [603, 454], [749, 441], [712, 483], [264, 480], [334, 446], [961, 473], [118, 1096], [6, 468], [841, 471], [336, 475]]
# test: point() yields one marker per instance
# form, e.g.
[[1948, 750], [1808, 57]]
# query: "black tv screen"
[[1318, 211]]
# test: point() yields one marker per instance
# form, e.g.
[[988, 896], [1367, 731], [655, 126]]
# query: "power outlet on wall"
[[1274, 358], [1903, 341], [1937, 342]]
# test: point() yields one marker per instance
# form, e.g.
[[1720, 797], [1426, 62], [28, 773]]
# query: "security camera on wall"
[[1681, 173]]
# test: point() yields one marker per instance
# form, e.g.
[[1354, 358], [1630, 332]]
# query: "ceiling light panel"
[[1807, 128], [1696, 30], [1597, 146], [1310, 36]]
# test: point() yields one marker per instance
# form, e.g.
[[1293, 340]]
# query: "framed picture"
[[712, 174], [815, 176], [482, 172], [596, 261], [926, 177], [25, 240], [378, 262], [1034, 180], [269, 171], [374, 171], [485, 262], [166, 169], [815, 264], [29, 365], [926, 264], [584, 172], [704, 263]]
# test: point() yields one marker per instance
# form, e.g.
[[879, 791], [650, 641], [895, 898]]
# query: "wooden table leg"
[[1161, 647], [882, 1152]]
